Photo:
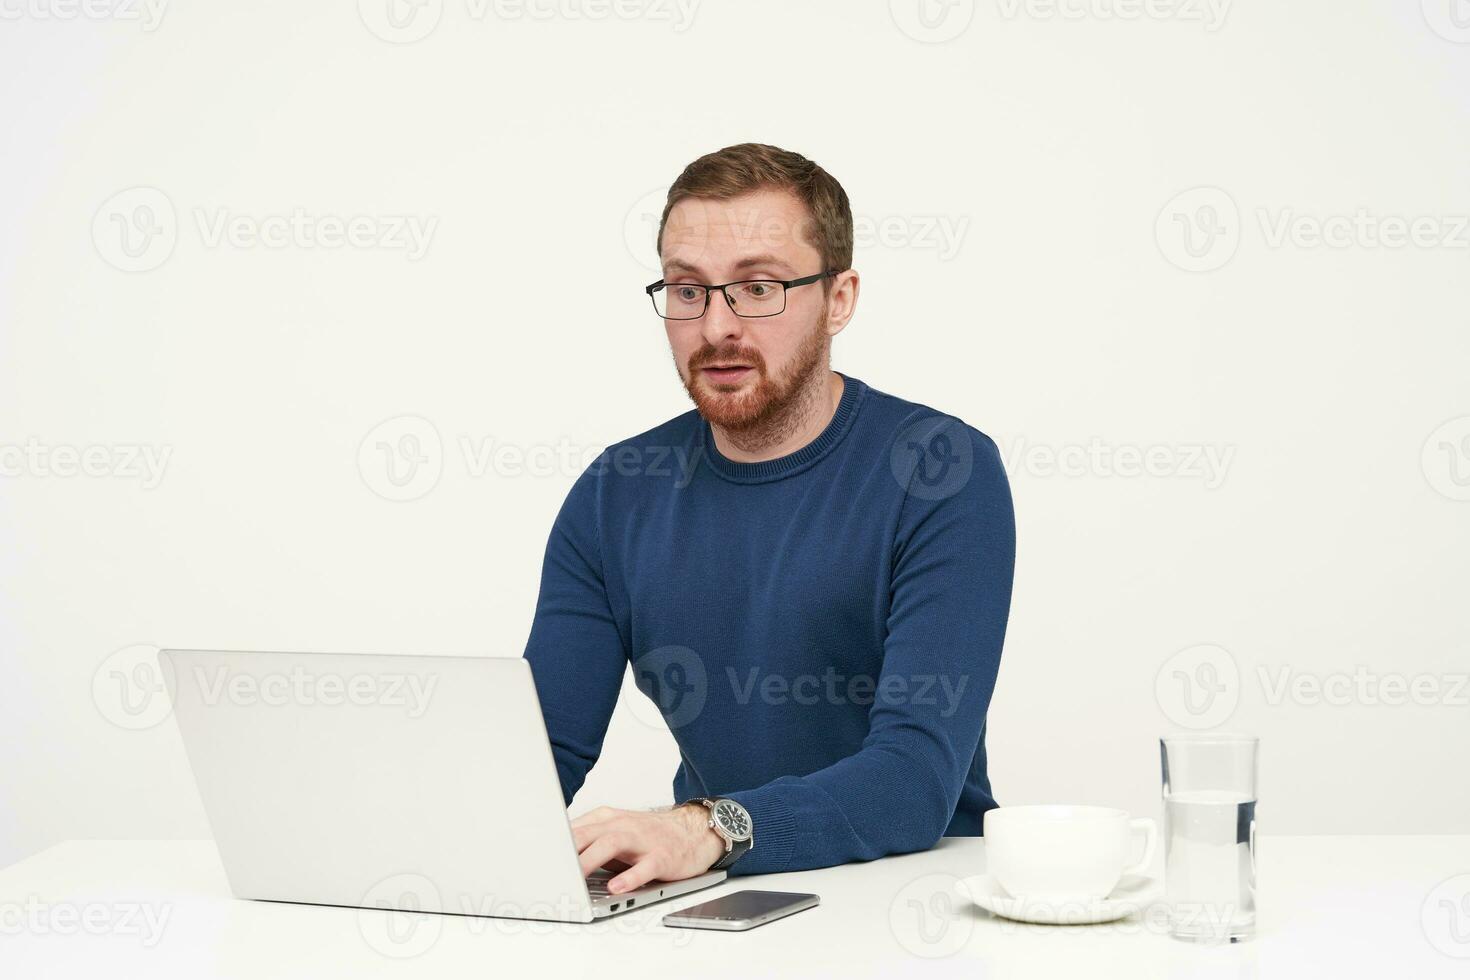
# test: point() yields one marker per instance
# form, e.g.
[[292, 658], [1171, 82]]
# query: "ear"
[[842, 301]]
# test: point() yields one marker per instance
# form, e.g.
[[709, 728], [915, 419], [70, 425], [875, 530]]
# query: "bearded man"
[[816, 601]]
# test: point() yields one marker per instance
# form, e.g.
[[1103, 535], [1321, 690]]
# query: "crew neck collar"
[[792, 463]]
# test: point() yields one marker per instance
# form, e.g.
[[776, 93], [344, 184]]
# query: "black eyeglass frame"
[[709, 290]]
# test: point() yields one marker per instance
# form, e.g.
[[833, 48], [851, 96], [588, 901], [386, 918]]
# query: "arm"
[[576, 654], [951, 586], [577, 658]]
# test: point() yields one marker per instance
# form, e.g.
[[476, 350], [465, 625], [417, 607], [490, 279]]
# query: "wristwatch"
[[732, 822]]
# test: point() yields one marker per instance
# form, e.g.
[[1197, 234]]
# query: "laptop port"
[[615, 906], [631, 901]]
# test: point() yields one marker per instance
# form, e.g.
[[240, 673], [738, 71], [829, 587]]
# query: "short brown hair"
[[746, 167]]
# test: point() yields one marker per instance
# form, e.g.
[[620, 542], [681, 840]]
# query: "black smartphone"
[[739, 911]]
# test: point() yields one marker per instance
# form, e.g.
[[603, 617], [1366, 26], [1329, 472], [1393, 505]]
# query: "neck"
[[784, 434]]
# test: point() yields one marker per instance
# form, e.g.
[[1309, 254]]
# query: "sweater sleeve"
[[576, 653], [953, 560]]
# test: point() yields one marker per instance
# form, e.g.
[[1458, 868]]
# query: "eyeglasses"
[[747, 298]]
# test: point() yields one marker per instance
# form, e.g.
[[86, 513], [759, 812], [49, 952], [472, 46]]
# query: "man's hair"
[[747, 167]]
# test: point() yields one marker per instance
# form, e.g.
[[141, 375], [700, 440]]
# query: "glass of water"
[[1210, 836]]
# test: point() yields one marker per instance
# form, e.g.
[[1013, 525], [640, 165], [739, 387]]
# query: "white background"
[[1024, 178]]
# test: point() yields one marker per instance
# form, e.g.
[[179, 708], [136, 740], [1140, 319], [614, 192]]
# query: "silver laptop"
[[386, 781]]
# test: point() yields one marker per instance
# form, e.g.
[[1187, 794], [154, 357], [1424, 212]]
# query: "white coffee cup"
[[1055, 853]]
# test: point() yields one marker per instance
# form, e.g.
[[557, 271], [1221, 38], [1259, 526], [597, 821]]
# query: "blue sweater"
[[821, 632]]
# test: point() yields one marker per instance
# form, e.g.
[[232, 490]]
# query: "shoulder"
[[639, 465], [933, 453], [955, 494], [677, 431], [664, 450]]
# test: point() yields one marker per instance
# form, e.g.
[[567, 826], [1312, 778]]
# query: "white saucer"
[[1133, 893]]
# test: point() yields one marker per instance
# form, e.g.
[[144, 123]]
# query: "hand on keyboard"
[[667, 845]]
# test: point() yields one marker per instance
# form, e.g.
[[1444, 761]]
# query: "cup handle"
[[1150, 841]]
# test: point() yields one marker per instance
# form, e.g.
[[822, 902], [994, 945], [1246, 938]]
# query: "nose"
[[719, 322]]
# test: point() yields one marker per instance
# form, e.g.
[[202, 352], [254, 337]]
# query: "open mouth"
[[726, 373]]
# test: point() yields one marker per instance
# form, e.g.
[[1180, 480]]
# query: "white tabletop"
[[1329, 906]]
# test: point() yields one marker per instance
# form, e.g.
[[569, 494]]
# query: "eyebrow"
[[768, 260]]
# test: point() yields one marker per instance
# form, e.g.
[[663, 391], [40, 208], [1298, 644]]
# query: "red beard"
[[755, 405]]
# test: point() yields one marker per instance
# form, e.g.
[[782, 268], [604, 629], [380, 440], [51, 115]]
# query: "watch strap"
[[734, 849]]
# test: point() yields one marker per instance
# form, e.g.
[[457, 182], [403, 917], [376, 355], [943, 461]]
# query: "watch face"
[[733, 819]]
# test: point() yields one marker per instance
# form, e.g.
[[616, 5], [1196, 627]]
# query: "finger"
[[637, 876], [584, 836], [605, 847], [587, 833], [596, 815]]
